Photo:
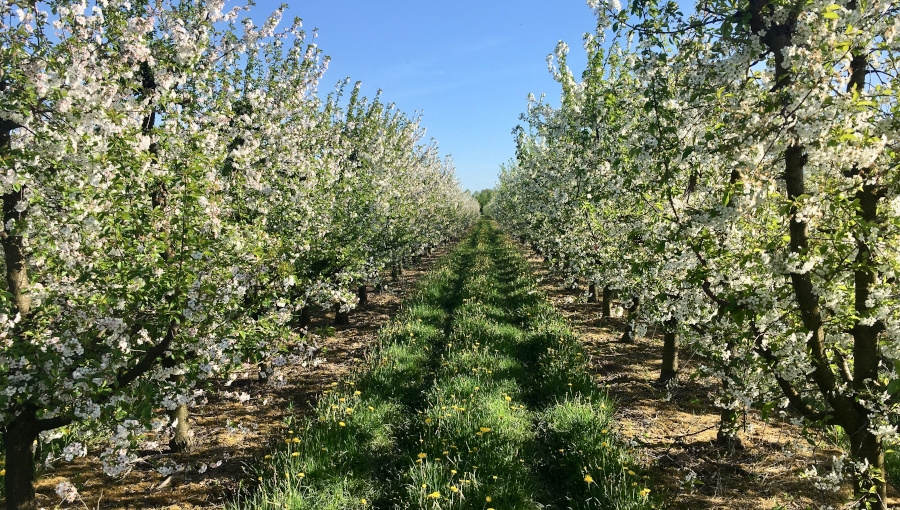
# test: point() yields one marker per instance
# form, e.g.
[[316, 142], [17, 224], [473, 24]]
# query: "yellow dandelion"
[[296, 440], [349, 410], [357, 393], [267, 457], [422, 455], [342, 424], [434, 495], [363, 501], [588, 478], [645, 491], [630, 472], [301, 475], [295, 454], [454, 489], [427, 420], [452, 471], [485, 430], [488, 499]]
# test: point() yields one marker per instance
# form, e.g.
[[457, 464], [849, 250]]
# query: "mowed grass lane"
[[476, 397]]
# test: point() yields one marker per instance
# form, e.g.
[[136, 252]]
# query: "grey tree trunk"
[[363, 295], [592, 293], [669, 368], [341, 318], [607, 302], [18, 438]]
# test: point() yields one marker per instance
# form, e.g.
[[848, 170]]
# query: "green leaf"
[[894, 387], [830, 15]]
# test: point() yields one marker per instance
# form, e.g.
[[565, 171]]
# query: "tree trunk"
[[301, 319], [363, 294], [182, 440], [726, 437], [592, 293], [18, 438], [670, 352], [341, 318], [628, 335], [607, 302], [870, 487]]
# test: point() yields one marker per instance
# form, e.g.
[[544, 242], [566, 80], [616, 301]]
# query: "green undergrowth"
[[476, 396]]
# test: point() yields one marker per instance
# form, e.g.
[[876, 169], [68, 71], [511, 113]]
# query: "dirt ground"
[[237, 425], [675, 427]]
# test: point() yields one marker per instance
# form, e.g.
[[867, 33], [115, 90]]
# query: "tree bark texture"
[[669, 368]]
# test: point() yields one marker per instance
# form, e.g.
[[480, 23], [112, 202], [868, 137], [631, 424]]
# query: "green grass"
[[476, 396]]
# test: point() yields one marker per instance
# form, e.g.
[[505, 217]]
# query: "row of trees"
[[734, 172], [175, 196]]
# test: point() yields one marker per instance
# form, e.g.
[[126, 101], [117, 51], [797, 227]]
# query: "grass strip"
[[475, 397]]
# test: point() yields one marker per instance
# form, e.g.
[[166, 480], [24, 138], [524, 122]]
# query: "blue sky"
[[467, 66]]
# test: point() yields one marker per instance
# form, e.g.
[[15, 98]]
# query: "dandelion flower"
[[645, 491], [434, 495], [342, 424], [485, 430], [422, 455], [588, 478]]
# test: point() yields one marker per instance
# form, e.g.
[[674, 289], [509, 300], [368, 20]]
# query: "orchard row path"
[[477, 395]]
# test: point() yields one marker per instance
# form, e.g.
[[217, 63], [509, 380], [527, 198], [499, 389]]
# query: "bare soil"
[[237, 425], [674, 427]]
